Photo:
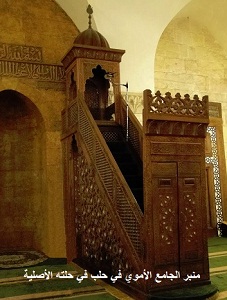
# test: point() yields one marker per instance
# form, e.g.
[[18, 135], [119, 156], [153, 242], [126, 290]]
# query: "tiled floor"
[[218, 273]]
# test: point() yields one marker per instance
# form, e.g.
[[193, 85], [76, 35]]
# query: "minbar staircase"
[[130, 165]]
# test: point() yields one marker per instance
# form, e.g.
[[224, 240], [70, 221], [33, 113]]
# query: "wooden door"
[[177, 215]]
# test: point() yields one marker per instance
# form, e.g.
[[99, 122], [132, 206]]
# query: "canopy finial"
[[90, 12]]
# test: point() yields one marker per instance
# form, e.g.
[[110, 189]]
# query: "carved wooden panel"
[[101, 244], [165, 207], [177, 105], [175, 148], [179, 216], [160, 127], [192, 216]]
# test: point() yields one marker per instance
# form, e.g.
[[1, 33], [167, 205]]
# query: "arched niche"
[[97, 95], [22, 172]]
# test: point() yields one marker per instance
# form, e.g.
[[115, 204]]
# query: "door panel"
[[177, 218], [190, 218], [166, 215]]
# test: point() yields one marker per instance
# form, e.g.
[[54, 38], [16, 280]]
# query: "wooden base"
[[212, 232], [209, 291]]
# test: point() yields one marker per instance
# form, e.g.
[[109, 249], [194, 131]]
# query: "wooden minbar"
[[88, 65]]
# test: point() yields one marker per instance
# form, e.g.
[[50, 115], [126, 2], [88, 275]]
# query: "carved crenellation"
[[178, 106]]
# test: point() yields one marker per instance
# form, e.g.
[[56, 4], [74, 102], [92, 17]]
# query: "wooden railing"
[[179, 116], [110, 175], [135, 129]]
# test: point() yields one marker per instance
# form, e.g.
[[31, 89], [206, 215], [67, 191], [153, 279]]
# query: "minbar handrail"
[[110, 175], [135, 129]]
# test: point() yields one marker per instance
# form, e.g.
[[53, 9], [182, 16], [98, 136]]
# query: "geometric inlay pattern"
[[167, 219], [189, 212], [217, 186]]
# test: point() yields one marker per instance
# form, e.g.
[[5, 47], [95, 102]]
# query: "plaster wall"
[[134, 26], [50, 32]]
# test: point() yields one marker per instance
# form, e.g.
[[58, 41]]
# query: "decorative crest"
[[90, 12], [177, 105]]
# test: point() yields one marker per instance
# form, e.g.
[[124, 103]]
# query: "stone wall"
[[33, 40], [22, 165], [189, 60]]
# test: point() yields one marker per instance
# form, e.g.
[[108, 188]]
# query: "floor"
[[217, 248]]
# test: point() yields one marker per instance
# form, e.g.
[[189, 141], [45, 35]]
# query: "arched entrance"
[[22, 166]]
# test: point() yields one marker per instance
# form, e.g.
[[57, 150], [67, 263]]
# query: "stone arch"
[[190, 58], [22, 172]]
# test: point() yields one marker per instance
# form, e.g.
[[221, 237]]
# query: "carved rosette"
[[190, 218], [167, 219]]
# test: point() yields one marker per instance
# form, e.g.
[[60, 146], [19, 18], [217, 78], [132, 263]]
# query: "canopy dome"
[[91, 37]]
